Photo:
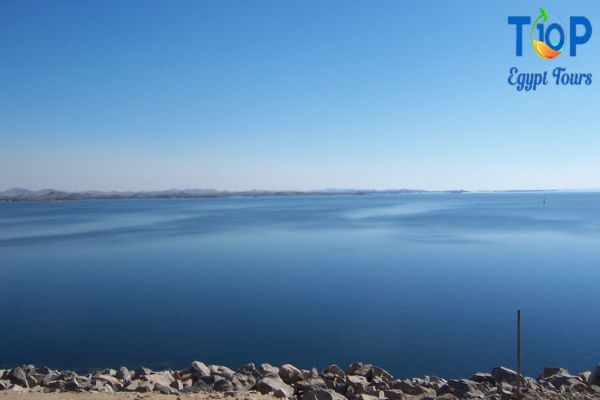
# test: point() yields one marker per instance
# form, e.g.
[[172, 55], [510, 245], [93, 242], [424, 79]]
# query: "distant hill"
[[19, 194]]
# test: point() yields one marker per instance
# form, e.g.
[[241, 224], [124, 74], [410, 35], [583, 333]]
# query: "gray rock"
[[162, 389], [272, 384], [462, 388], [140, 386], [311, 384], [221, 371], [268, 370], [223, 385], [177, 385], [110, 380], [363, 396], [549, 371], [290, 374], [585, 376], [594, 378], [139, 372], [17, 376], [123, 374], [376, 372], [326, 394], [242, 382], [358, 383], [502, 374], [159, 378], [249, 369], [482, 377], [200, 370], [358, 368], [393, 394], [409, 387], [5, 384]]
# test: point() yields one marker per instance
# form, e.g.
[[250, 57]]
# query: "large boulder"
[[462, 388], [123, 374], [358, 382], [249, 369], [268, 370], [221, 371], [323, 394], [5, 384], [142, 371], [274, 385], [200, 370], [549, 371], [17, 376], [242, 382], [111, 380], [358, 368], [482, 377], [223, 385], [311, 384], [594, 378], [334, 371], [290, 374], [503, 374]]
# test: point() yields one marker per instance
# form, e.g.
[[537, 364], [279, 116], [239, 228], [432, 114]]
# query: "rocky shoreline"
[[357, 382]]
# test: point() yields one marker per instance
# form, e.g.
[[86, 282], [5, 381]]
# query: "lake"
[[415, 283]]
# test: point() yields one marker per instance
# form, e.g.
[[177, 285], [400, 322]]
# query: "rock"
[[44, 371], [5, 384], [594, 378], [502, 374], [549, 371], [376, 372], [249, 369], [140, 386], [138, 373], [200, 370], [159, 378], [326, 394], [363, 396], [123, 374], [221, 371], [177, 385], [271, 384], [462, 388], [358, 383], [162, 389], [111, 380], [17, 377], [482, 377], [268, 370], [223, 385], [393, 394], [242, 382], [310, 384], [358, 369], [585, 376], [290, 374], [409, 387]]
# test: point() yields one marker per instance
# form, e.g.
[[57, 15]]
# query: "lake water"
[[415, 283]]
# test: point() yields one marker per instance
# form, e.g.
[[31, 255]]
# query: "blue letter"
[[519, 22], [561, 34], [575, 40]]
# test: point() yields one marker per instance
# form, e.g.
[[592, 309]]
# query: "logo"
[[549, 36]]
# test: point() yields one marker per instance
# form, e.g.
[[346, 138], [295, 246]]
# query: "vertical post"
[[518, 354]]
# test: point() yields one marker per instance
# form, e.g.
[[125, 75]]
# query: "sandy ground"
[[11, 395]]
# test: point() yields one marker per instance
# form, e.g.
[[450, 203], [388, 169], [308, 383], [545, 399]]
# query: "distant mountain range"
[[19, 194]]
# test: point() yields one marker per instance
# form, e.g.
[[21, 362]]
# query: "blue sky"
[[288, 95]]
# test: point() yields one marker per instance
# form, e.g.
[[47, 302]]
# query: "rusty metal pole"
[[518, 354]]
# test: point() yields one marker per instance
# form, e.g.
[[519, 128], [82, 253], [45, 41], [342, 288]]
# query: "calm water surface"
[[419, 284]]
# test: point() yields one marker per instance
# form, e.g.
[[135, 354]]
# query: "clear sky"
[[288, 95]]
